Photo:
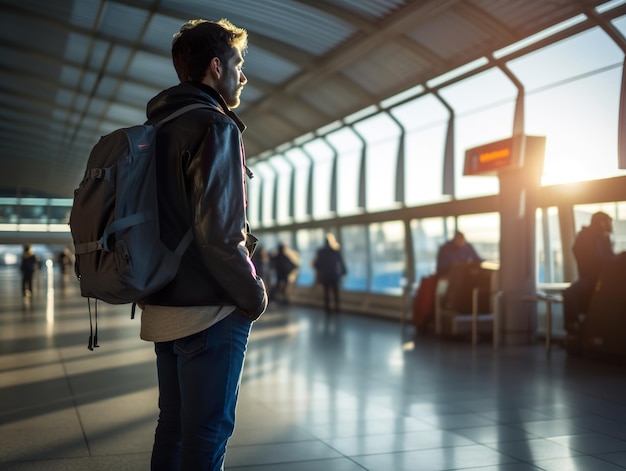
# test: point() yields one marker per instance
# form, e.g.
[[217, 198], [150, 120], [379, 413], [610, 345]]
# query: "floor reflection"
[[339, 393]]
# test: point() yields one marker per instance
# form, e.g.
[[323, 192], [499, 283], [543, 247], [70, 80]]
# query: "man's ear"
[[215, 67], [213, 72]]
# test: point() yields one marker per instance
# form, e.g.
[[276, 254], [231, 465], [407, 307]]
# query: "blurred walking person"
[[28, 267], [330, 269]]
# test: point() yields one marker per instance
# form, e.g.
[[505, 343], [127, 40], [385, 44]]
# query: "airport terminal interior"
[[338, 393], [392, 125]]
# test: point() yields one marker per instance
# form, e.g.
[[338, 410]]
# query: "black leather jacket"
[[201, 184], [593, 252]]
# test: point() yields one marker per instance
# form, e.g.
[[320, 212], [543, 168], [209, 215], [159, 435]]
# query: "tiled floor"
[[351, 394]]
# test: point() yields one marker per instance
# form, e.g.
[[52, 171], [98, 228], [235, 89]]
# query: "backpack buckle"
[[95, 173]]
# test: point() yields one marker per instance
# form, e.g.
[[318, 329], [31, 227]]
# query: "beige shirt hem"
[[167, 323]]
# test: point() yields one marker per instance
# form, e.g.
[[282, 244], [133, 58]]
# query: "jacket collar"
[[220, 100]]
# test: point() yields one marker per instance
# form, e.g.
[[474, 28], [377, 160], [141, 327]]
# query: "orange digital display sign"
[[488, 158]]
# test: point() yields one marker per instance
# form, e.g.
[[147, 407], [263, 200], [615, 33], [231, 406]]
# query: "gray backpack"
[[114, 221]]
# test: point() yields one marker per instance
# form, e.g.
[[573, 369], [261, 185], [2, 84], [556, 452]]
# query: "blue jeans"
[[199, 378]]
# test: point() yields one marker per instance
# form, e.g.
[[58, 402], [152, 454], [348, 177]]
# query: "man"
[[330, 268], [28, 266], [201, 321], [593, 252], [593, 249], [457, 250]]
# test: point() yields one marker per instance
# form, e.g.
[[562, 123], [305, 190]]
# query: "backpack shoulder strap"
[[180, 112]]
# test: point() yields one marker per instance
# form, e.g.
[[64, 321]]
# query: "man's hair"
[[600, 217], [199, 41], [331, 241], [458, 234]]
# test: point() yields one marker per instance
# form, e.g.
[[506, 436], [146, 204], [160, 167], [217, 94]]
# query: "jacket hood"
[[187, 93]]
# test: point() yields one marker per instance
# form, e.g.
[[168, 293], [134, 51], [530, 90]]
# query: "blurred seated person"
[[456, 250], [593, 252], [284, 262]]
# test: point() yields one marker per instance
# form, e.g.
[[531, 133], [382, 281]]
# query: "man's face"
[[459, 240], [232, 79]]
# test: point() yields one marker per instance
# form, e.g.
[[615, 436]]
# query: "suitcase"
[[424, 302]]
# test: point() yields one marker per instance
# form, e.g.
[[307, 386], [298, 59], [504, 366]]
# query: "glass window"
[[425, 121], [309, 241], [32, 211], [617, 210], [381, 135], [484, 107], [282, 170], [355, 253], [388, 257], [572, 98], [483, 232], [59, 211], [265, 197], [8, 210], [267, 243], [428, 235], [619, 227], [322, 155], [576, 56], [59, 214], [349, 148], [548, 249], [302, 164], [253, 195], [269, 240], [620, 24], [583, 213], [479, 91]]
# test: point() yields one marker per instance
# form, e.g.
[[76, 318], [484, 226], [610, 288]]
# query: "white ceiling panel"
[[72, 70]]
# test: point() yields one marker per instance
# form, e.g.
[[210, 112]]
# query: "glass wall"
[[484, 107], [35, 214], [571, 95], [349, 147], [381, 135], [425, 121], [583, 213], [307, 244], [483, 232], [428, 235], [254, 196], [572, 98], [387, 250], [570, 92], [282, 193], [354, 244], [302, 164], [549, 250], [322, 155], [267, 176]]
